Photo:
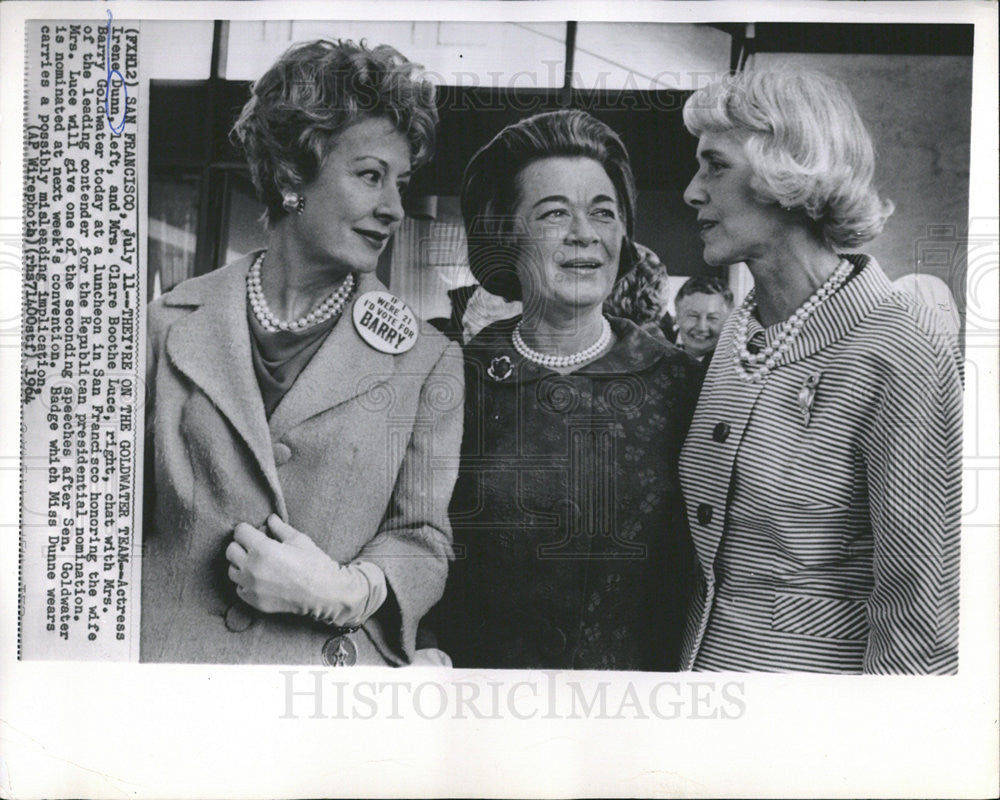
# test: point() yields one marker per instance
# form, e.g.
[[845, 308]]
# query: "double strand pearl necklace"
[[330, 307], [556, 362], [755, 367]]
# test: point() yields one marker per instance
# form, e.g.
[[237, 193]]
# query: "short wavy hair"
[[639, 295], [491, 186], [312, 93], [701, 284], [806, 143]]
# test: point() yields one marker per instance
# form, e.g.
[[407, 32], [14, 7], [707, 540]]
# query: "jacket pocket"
[[825, 617]]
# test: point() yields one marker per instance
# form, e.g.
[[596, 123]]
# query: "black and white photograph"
[[500, 399]]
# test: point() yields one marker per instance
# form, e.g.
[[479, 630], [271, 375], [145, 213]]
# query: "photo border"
[[142, 730]]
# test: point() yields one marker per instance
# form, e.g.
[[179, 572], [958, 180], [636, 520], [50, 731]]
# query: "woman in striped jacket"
[[822, 469]]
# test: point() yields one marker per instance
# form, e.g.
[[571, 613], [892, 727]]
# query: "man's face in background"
[[700, 318]]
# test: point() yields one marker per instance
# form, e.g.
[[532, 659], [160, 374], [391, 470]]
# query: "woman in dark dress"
[[571, 549]]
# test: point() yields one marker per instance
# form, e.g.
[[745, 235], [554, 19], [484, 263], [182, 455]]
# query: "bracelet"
[[341, 630]]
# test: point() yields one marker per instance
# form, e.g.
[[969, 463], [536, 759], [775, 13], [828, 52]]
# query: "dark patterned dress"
[[571, 544]]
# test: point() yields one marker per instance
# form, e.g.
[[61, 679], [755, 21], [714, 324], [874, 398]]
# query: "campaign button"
[[385, 322]]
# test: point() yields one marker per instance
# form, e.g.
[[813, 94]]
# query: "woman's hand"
[[280, 574], [290, 574]]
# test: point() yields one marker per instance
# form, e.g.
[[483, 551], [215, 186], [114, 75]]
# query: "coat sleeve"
[[155, 332], [414, 541], [913, 457]]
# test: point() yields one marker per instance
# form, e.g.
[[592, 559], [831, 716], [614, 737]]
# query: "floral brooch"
[[500, 368]]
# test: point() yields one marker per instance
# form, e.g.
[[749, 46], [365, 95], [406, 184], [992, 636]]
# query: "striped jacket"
[[826, 519]]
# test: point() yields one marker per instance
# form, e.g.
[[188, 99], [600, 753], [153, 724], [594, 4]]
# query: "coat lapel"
[[344, 367], [211, 346]]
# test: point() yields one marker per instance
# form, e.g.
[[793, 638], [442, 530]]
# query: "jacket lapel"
[[211, 346], [344, 367]]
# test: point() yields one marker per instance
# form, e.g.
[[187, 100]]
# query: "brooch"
[[807, 395], [499, 368]]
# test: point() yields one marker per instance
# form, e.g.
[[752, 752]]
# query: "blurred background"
[[913, 84]]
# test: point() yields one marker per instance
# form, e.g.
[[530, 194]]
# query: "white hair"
[[806, 144]]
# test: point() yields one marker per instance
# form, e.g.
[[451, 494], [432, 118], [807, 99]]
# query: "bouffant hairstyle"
[[700, 284], [806, 143], [639, 294], [491, 185], [315, 91]]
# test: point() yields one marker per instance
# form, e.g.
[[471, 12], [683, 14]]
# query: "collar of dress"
[[835, 317], [635, 349]]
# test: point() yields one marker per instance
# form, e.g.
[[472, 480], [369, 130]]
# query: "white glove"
[[289, 574]]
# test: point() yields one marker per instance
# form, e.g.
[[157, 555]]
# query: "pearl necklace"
[[330, 307], [755, 367], [562, 361]]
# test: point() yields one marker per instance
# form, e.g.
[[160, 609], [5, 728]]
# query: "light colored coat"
[[360, 454]]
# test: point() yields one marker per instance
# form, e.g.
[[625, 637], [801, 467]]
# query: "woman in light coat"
[[302, 434]]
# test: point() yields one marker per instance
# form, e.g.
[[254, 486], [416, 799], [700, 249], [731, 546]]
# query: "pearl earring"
[[292, 201]]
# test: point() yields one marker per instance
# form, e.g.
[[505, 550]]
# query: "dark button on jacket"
[[551, 640]]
